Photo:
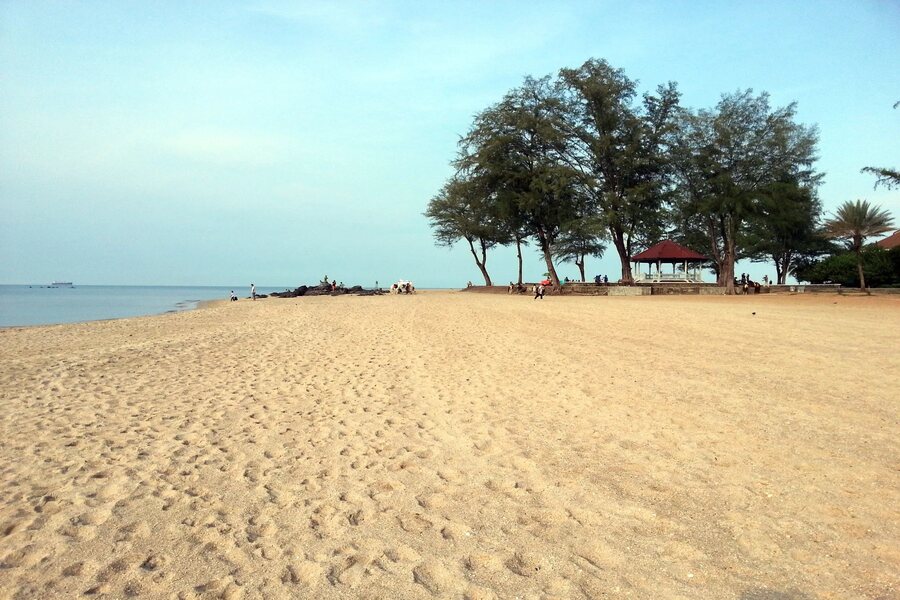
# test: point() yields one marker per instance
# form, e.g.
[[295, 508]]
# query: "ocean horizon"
[[43, 304]]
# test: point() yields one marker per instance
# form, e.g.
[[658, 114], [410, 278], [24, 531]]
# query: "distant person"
[[233, 296], [598, 279], [605, 279], [766, 280], [509, 290], [469, 284], [253, 291], [539, 291]]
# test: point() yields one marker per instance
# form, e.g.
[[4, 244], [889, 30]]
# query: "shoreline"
[[890, 298]]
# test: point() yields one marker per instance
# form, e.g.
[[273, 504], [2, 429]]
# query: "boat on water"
[[62, 284]]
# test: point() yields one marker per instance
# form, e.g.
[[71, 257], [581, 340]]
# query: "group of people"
[[537, 289], [252, 293], [748, 284], [601, 279], [403, 287]]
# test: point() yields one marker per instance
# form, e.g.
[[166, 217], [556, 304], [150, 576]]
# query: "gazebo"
[[668, 252]]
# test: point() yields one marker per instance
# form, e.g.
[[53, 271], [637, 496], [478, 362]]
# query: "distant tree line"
[[579, 161]]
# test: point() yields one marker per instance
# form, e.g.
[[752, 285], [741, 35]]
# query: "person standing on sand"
[[253, 291]]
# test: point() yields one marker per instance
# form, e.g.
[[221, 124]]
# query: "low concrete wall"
[[685, 289], [672, 289], [634, 290]]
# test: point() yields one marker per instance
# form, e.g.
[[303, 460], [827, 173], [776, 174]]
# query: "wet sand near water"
[[457, 445]]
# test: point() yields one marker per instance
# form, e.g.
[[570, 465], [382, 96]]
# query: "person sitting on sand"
[[233, 296]]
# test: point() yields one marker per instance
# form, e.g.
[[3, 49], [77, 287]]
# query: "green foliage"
[[515, 147], [889, 178], [882, 268], [579, 239], [784, 226], [856, 221], [463, 210], [853, 222], [730, 160], [619, 148]]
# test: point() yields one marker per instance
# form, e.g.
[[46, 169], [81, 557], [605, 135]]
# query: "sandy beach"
[[457, 445]]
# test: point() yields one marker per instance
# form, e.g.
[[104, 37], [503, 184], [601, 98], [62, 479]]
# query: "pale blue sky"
[[227, 142]]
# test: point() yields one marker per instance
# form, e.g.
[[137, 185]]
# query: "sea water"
[[44, 305]]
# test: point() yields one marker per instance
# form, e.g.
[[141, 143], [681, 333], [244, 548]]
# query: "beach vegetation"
[[619, 147], [580, 238], [881, 267], [516, 146], [462, 210], [853, 222], [733, 158], [785, 226], [580, 160]]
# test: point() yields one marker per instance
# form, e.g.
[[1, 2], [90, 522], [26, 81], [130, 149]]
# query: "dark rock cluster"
[[326, 289]]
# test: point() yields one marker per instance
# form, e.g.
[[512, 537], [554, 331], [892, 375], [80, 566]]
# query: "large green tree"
[[516, 147], [853, 222], [728, 159], [463, 210], [580, 238], [784, 226], [619, 148]]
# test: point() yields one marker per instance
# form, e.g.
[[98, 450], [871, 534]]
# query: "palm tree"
[[854, 222]]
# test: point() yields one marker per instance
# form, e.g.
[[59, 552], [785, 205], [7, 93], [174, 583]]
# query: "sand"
[[457, 445]]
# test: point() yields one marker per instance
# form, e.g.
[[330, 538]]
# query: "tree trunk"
[[859, 265], [581, 268], [519, 251], [728, 266], [481, 263], [714, 251], [548, 258], [618, 238], [780, 275]]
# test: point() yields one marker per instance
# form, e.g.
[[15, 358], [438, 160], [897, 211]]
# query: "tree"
[[620, 150], [856, 221], [728, 159], [515, 146], [462, 210], [514, 225], [889, 178], [784, 226], [882, 267], [579, 239]]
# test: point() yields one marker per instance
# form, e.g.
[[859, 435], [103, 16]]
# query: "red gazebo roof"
[[667, 251], [892, 241]]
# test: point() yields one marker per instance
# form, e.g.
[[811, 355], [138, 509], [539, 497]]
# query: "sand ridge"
[[456, 445]]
